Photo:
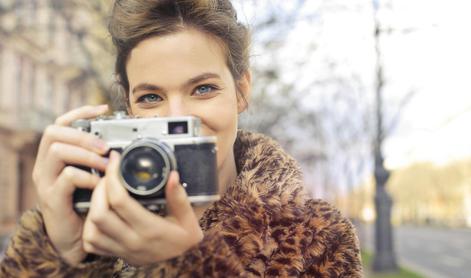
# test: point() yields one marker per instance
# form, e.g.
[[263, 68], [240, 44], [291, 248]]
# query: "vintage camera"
[[150, 148]]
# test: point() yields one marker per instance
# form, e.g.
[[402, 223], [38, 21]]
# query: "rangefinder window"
[[178, 127]]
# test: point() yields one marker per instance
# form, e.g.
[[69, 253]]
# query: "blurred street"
[[432, 252]]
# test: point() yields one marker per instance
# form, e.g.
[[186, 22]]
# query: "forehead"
[[183, 54]]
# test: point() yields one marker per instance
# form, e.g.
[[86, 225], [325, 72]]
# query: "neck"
[[227, 173]]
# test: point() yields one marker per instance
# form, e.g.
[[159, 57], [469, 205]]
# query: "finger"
[[94, 241], [67, 182], [84, 112], [55, 133], [69, 136], [177, 202], [61, 154], [124, 205], [107, 221], [92, 249], [72, 178]]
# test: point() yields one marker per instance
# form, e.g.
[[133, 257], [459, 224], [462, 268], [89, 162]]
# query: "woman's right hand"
[[55, 181]]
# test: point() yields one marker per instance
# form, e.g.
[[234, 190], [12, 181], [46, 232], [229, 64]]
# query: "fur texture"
[[265, 225]]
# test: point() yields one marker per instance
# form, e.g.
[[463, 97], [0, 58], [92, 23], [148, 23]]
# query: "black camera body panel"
[[196, 165]]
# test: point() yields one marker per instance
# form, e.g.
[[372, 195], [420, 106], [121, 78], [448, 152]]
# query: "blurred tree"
[[85, 24], [305, 99], [86, 21], [427, 194], [276, 106]]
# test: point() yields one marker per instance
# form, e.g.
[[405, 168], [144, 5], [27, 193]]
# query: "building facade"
[[42, 75]]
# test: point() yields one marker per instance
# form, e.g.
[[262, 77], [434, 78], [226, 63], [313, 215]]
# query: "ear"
[[244, 87]]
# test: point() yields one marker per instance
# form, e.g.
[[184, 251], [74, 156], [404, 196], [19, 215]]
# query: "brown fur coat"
[[264, 226]]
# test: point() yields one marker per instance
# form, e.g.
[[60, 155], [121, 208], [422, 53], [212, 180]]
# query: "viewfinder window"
[[178, 127]]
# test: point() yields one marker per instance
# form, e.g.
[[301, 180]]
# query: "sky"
[[428, 52], [434, 60]]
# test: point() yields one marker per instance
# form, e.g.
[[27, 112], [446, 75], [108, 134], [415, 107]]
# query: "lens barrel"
[[146, 165]]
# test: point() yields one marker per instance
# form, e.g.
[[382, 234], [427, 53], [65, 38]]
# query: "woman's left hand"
[[117, 225]]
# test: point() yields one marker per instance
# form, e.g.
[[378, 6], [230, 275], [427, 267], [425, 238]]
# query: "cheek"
[[221, 122]]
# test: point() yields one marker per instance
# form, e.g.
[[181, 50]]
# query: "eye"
[[205, 89], [149, 98]]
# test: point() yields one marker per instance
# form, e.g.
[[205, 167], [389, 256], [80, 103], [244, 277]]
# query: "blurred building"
[[41, 76], [424, 194]]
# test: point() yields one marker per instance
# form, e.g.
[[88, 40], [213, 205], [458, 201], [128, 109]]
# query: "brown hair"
[[133, 21]]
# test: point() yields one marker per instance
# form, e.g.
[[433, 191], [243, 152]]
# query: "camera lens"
[[146, 165]]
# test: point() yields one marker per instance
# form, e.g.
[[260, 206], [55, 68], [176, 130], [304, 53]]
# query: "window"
[[19, 85], [2, 64], [32, 87], [51, 28]]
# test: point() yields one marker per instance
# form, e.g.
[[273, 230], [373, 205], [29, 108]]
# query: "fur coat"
[[265, 225]]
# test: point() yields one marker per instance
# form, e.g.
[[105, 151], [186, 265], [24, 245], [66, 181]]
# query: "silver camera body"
[[150, 149]]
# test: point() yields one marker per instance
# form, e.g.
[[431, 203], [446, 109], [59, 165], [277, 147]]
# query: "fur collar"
[[268, 179]]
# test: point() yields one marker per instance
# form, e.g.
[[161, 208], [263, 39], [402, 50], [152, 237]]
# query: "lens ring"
[[166, 154]]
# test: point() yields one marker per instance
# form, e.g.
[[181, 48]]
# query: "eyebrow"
[[191, 81]]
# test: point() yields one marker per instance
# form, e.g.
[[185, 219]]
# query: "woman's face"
[[183, 74]]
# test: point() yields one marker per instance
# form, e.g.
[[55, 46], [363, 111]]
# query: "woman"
[[179, 58]]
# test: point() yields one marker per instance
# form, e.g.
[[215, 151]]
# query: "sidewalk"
[[401, 273], [366, 236]]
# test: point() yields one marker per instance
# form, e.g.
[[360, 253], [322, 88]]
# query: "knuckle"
[[134, 245], [35, 176], [69, 173], [150, 234], [55, 149], [59, 120], [118, 201], [87, 238], [97, 218], [89, 234], [88, 247], [49, 130]]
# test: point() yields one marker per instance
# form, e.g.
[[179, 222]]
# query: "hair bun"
[[222, 6]]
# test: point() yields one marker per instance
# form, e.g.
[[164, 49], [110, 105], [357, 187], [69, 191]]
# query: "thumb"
[[178, 204]]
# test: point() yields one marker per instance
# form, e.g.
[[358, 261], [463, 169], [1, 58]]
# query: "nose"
[[177, 107]]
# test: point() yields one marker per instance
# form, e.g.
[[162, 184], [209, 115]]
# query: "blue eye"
[[204, 89], [149, 98]]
